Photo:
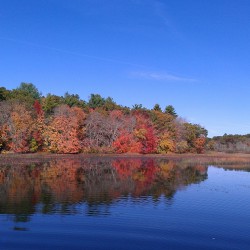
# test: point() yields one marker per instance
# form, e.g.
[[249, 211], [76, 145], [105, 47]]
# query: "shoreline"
[[209, 158]]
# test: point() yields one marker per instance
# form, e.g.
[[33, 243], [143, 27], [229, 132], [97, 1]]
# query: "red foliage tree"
[[125, 143], [38, 107], [149, 144], [145, 134]]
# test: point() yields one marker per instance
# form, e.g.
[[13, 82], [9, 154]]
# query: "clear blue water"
[[123, 204]]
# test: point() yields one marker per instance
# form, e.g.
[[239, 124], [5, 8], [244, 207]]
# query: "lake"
[[123, 203]]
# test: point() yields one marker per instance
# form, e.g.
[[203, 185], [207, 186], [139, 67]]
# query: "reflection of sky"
[[212, 214]]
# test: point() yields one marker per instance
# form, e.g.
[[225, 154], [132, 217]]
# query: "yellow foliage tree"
[[166, 144]]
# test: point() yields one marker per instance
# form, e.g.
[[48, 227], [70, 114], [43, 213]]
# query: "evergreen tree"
[[3, 93], [26, 93], [157, 107], [73, 100], [95, 101], [50, 102], [30, 89], [170, 110]]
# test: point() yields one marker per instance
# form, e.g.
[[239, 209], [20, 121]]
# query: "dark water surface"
[[116, 203]]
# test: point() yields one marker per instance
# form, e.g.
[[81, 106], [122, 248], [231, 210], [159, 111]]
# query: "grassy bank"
[[217, 159]]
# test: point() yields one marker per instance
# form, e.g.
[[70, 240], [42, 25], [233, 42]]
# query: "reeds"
[[216, 159]]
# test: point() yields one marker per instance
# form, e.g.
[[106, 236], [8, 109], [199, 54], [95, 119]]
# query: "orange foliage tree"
[[199, 144], [37, 142], [16, 126], [62, 134]]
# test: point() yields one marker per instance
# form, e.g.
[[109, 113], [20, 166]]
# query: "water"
[[123, 203]]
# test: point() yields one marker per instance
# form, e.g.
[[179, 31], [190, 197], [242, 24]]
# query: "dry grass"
[[214, 158], [217, 159]]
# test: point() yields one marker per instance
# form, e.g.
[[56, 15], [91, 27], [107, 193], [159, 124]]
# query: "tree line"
[[31, 122], [229, 143]]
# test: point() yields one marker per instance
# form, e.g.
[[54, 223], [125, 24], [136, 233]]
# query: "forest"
[[230, 143], [31, 122]]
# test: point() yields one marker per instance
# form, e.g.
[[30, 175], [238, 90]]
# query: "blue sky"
[[192, 54]]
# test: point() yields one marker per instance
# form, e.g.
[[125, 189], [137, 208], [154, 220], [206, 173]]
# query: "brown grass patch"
[[217, 159]]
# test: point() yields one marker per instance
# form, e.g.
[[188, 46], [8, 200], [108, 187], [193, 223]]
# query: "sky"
[[192, 54]]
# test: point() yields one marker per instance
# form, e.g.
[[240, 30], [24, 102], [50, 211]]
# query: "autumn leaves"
[[76, 126]]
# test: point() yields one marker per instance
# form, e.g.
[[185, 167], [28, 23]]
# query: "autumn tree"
[[95, 132], [62, 133], [1, 141], [182, 147], [126, 143], [5, 111], [149, 142], [16, 126], [145, 134], [37, 141], [166, 144], [21, 129], [192, 132], [199, 144], [38, 108], [102, 130], [163, 122]]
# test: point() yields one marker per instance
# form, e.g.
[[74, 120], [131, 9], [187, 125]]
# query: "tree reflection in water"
[[62, 186]]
